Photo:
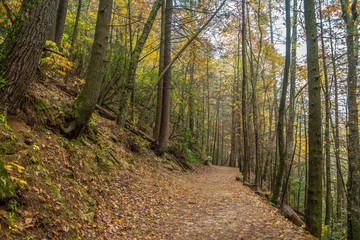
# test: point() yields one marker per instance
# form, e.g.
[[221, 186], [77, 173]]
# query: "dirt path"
[[159, 204], [212, 205]]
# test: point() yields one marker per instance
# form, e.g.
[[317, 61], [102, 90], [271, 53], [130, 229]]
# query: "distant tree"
[[60, 21], [86, 102], [21, 51], [76, 26], [328, 198], [246, 158], [313, 208], [128, 87], [58, 24]]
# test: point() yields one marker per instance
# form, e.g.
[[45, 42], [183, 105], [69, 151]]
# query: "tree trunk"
[[339, 185], [60, 21], [85, 103], [328, 198], [161, 68], [313, 209], [131, 71], [246, 158], [291, 114], [280, 125], [349, 14], [165, 114], [20, 52], [76, 26]]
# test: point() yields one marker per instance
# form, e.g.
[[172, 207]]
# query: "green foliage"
[[13, 210], [55, 62], [333, 231], [61, 111], [41, 106], [190, 156], [92, 122], [34, 160]]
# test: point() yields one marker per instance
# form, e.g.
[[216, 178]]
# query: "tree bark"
[[85, 103], [161, 68], [246, 159], [339, 184], [20, 53], [76, 26], [349, 14], [328, 198], [131, 71], [165, 114], [313, 209], [60, 21], [281, 119]]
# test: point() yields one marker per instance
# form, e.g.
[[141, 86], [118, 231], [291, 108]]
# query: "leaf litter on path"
[[209, 204]]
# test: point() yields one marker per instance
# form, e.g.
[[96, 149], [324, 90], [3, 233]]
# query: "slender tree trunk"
[[291, 112], [280, 125], [85, 103], [298, 165], [328, 198], [161, 68], [339, 185], [21, 50], [234, 118], [246, 158], [313, 209], [191, 97], [208, 106], [306, 159], [76, 27], [131, 71]]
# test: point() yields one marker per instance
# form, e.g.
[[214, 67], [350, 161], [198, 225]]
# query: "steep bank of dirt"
[[106, 180]]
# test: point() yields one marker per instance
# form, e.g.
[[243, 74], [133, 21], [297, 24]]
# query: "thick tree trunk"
[[21, 51], [165, 114], [349, 14], [313, 209], [86, 101]]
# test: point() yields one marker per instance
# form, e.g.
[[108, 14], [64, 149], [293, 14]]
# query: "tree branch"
[[180, 52]]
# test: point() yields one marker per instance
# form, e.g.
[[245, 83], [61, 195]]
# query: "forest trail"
[[212, 205]]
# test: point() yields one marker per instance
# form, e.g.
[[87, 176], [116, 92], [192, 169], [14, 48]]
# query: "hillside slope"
[[108, 184]]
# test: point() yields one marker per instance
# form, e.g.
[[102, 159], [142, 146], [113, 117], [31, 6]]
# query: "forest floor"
[[108, 184], [211, 204]]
